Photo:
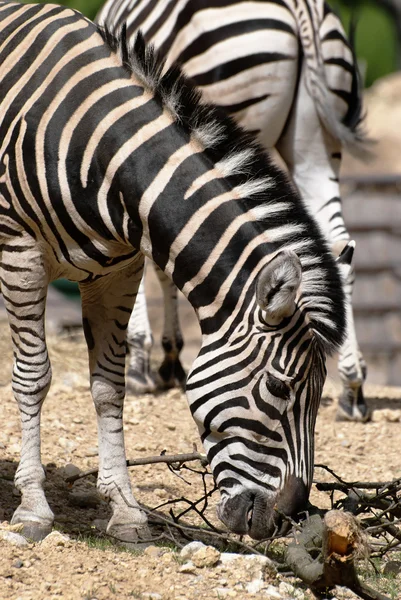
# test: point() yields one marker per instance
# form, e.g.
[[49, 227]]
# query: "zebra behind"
[[284, 70], [106, 158]]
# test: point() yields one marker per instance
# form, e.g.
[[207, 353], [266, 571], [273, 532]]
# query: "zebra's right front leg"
[[24, 292], [106, 308]]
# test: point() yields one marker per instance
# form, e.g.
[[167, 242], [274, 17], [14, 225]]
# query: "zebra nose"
[[249, 513]]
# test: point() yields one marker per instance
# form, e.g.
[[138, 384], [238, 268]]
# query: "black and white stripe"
[[284, 70], [105, 159]]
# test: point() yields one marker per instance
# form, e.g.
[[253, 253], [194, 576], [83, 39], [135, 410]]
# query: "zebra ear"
[[278, 284], [344, 260]]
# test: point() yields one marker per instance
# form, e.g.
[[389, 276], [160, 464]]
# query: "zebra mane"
[[251, 172]]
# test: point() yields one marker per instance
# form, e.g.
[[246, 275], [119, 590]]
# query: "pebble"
[[70, 470], [91, 452], [54, 539], [258, 566], [15, 539], [151, 596], [272, 592], [206, 557], [160, 493], [187, 567], [171, 426], [154, 551], [140, 447], [255, 586], [18, 564], [188, 550], [67, 444]]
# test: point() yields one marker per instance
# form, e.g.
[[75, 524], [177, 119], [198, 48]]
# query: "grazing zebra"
[[284, 70], [104, 160]]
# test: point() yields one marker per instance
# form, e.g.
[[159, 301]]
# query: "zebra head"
[[254, 391]]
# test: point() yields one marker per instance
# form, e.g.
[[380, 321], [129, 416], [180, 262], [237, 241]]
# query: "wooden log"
[[324, 552]]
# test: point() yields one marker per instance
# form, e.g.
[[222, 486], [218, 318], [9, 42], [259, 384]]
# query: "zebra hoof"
[[135, 538], [171, 374], [35, 531], [35, 527], [138, 383], [352, 407]]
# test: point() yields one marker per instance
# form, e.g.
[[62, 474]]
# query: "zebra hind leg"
[[171, 372], [24, 291], [140, 379], [107, 305], [352, 368]]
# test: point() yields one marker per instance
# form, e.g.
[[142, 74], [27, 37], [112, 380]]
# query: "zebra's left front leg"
[[171, 372], [106, 307]]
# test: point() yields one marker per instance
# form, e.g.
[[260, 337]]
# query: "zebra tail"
[[350, 131]]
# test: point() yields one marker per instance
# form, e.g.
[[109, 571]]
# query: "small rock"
[[140, 447], [167, 557], [54, 539], [151, 596], [392, 566], [206, 557], [171, 426], [70, 470], [84, 499], [222, 592], [272, 592], [67, 444], [93, 451], [255, 586], [15, 539], [188, 550], [387, 414], [153, 551], [18, 564], [257, 566], [188, 567], [346, 444], [286, 589], [160, 493]]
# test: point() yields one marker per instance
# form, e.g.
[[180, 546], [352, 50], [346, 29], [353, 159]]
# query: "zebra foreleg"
[[171, 372], [140, 341], [107, 305], [24, 285], [352, 369]]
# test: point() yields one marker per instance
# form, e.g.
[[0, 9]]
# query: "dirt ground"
[[89, 567]]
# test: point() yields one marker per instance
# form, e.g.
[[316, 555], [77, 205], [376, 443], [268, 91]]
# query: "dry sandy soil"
[[87, 566]]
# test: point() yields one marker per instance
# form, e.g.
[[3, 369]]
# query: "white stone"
[[190, 549], [15, 539], [188, 567], [286, 588], [255, 586], [67, 444], [272, 592]]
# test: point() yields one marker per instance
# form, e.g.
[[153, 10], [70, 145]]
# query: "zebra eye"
[[277, 387]]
